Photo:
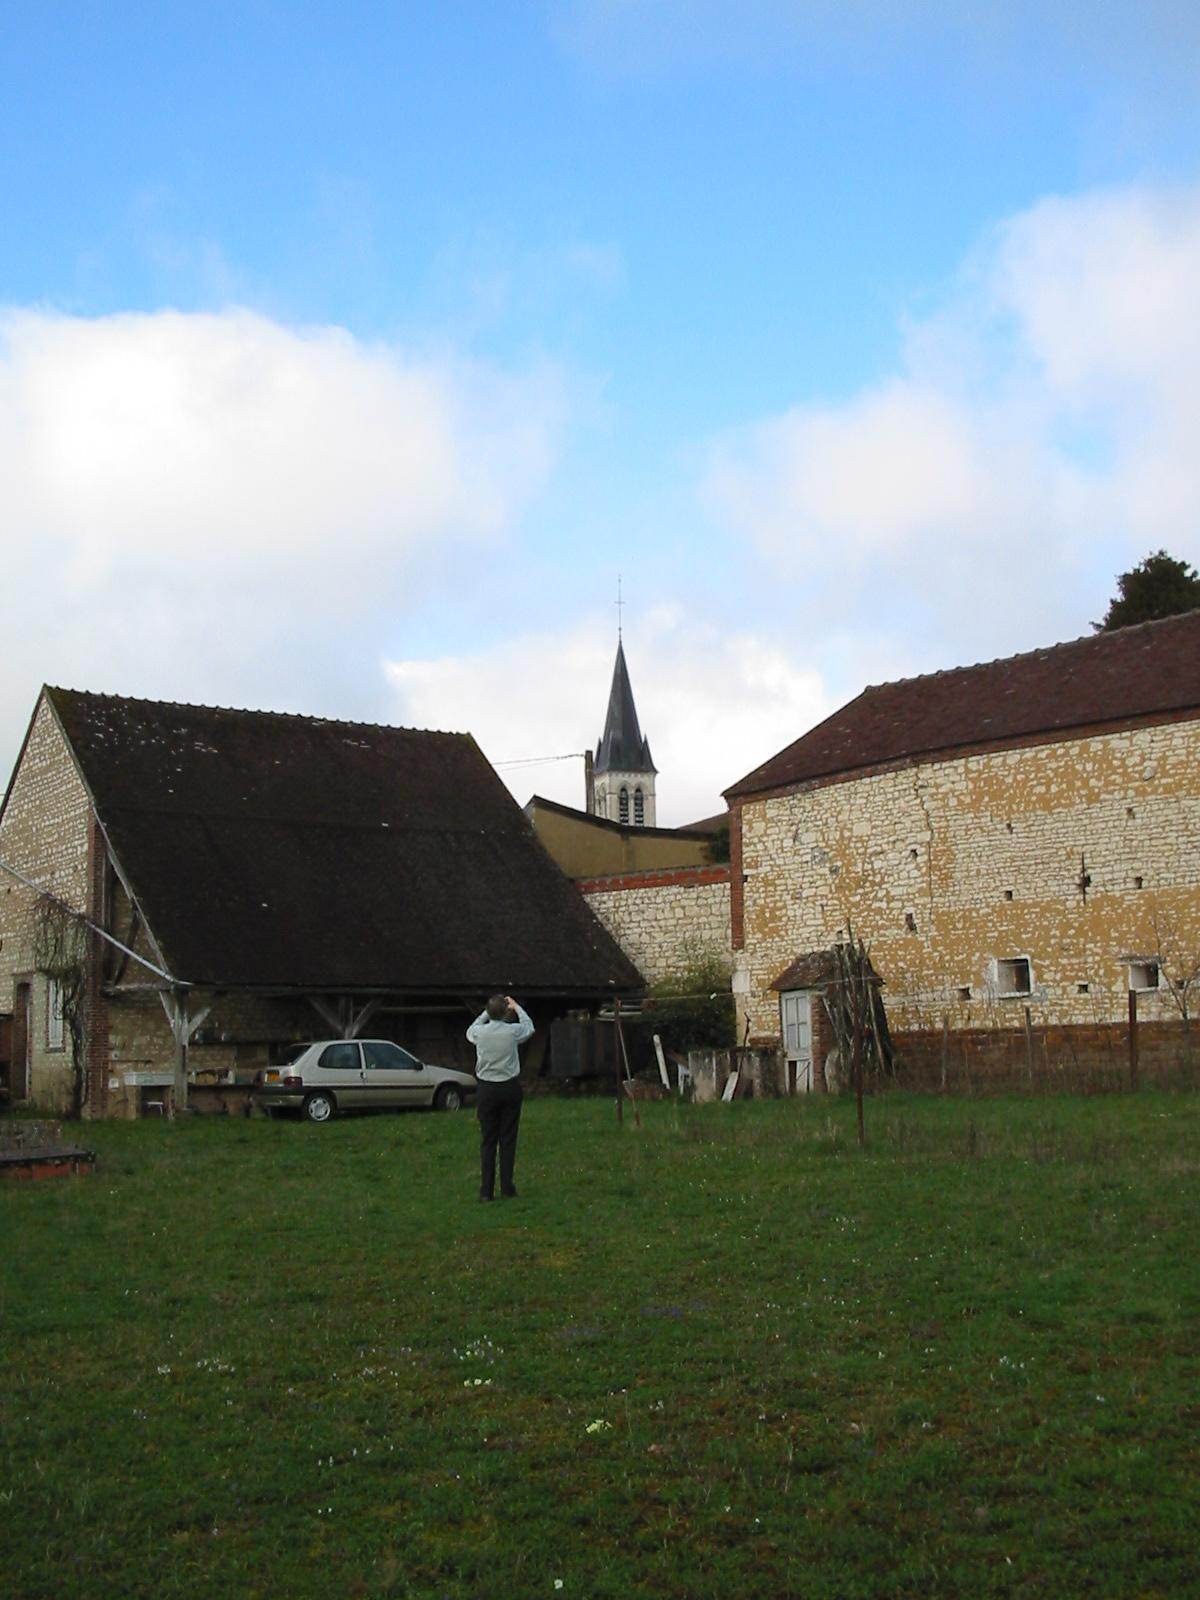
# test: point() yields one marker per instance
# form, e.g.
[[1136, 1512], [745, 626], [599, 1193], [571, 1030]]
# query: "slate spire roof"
[[1102, 681], [288, 852], [622, 747]]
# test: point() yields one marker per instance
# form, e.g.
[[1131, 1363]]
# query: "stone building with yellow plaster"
[[1017, 842]]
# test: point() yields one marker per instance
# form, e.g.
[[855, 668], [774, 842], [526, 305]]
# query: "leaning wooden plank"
[[662, 1062]]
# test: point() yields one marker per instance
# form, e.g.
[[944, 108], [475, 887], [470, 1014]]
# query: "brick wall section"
[[664, 920], [947, 843], [95, 1009], [44, 834], [737, 897]]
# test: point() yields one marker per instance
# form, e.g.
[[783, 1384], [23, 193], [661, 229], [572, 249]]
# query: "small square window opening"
[[1013, 976], [1144, 976]]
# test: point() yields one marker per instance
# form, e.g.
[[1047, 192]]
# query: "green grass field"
[[725, 1355]]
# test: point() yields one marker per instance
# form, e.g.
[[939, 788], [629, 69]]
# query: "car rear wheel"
[[448, 1098], [319, 1107]]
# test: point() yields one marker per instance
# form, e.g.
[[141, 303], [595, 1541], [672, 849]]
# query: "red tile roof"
[[1127, 675]]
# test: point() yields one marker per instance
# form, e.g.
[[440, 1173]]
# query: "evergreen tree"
[[1159, 586]]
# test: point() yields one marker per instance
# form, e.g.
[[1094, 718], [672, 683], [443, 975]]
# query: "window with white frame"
[[55, 1026], [623, 804], [639, 807], [1014, 976], [1144, 976]]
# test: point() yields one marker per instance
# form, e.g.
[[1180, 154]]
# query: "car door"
[[339, 1067], [392, 1076]]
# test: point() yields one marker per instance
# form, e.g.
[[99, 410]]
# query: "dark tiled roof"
[[706, 824], [632, 830], [813, 970], [622, 747], [274, 850], [1108, 677]]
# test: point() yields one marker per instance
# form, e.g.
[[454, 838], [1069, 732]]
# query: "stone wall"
[[665, 920], [44, 835], [1075, 855]]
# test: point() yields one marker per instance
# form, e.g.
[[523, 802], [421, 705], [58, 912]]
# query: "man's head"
[[497, 1008]]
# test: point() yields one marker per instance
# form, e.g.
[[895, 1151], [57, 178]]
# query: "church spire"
[[622, 747], [621, 783]]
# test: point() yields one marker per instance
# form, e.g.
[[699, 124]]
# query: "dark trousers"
[[498, 1107]]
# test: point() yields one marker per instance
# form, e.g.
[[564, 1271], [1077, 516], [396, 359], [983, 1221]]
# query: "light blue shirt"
[[496, 1045]]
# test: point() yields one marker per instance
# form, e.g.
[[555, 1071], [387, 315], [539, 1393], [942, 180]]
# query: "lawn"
[[726, 1355]]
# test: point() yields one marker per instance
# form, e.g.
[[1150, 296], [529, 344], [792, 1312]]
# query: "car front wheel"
[[448, 1098], [319, 1107]]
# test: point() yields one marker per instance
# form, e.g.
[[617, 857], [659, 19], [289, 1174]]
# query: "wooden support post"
[[945, 1047], [326, 1013], [179, 1098], [1029, 1044], [1133, 1039], [183, 1027], [359, 1021]]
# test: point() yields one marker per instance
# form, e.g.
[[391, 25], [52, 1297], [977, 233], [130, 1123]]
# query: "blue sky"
[[350, 352]]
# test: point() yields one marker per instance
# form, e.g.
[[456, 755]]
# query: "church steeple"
[[624, 770], [622, 747]]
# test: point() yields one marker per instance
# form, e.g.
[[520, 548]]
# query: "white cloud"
[[1038, 437], [713, 703], [220, 506]]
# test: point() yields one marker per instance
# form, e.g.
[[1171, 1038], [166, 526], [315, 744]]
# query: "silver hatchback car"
[[352, 1074]]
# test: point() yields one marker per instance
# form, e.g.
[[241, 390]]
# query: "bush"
[[692, 1008]]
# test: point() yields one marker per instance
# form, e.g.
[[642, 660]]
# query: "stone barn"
[[1017, 842], [186, 890]]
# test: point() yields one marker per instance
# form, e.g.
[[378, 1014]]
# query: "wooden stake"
[[1133, 1039], [617, 1059], [628, 1084]]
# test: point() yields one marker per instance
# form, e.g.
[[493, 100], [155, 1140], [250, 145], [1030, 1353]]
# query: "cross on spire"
[[620, 605]]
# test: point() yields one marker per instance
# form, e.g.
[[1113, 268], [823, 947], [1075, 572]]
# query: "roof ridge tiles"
[[1101, 679], [251, 711], [1036, 650]]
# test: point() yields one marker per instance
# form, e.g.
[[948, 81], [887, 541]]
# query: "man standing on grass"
[[496, 1032]]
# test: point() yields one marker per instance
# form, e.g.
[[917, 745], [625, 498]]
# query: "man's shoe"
[[487, 1196], [508, 1194]]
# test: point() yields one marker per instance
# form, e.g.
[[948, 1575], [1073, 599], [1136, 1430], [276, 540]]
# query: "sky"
[[349, 354]]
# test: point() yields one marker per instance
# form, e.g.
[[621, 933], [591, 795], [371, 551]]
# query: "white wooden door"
[[796, 1008]]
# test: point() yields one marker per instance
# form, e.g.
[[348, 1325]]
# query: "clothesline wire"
[[539, 761]]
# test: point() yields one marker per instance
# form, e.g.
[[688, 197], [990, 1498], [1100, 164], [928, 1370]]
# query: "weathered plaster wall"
[[44, 835], [665, 920], [1096, 841], [587, 847]]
